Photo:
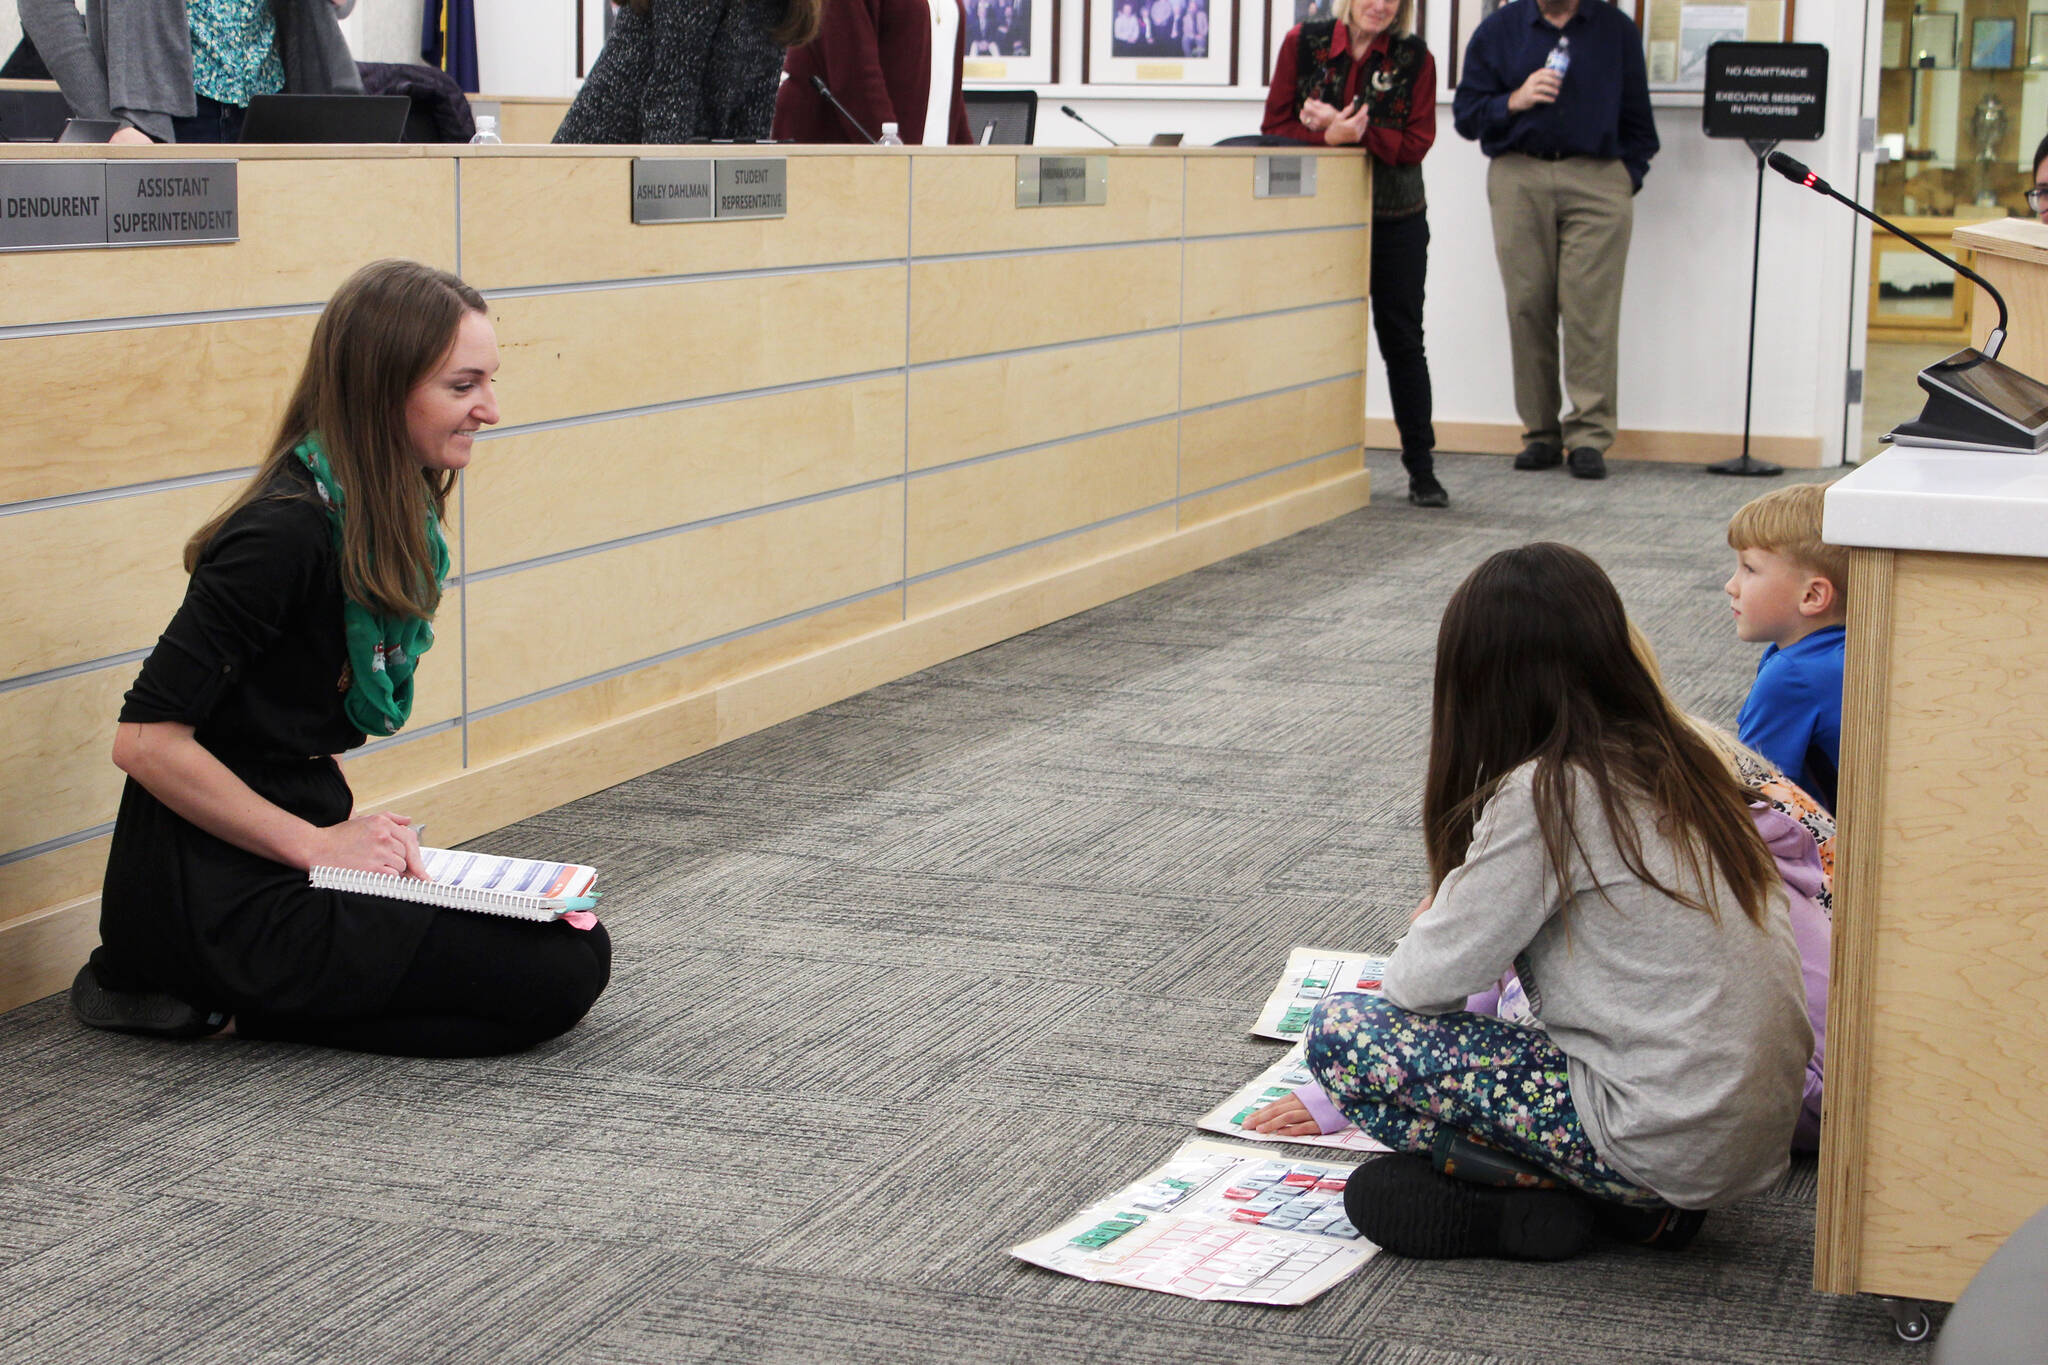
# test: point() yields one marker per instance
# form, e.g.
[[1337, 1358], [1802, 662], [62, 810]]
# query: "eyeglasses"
[[2037, 197]]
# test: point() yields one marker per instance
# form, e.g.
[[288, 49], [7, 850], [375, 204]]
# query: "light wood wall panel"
[[378, 773], [306, 225], [559, 622], [982, 406], [555, 719], [553, 220], [82, 581], [663, 343], [1039, 562], [63, 874], [1004, 303], [56, 773], [1228, 360], [1335, 471], [536, 493], [528, 120], [1220, 196], [969, 203], [1240, 439], [971, 510], [93, 410], [1228, 277]]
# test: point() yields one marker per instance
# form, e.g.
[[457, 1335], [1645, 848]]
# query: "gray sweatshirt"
[[1686, 1038], [132, 59]]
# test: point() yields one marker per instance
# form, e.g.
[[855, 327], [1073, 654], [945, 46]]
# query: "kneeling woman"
[[1580, 830], [306, 615]]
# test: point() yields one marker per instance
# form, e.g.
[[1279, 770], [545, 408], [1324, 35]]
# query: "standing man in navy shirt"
[[1569, 149]]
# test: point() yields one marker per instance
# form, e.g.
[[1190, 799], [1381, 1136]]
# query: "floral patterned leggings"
[[1401, 1076]]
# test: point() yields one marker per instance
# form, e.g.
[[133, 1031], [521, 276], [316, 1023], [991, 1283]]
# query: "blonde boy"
[[1788, 594]]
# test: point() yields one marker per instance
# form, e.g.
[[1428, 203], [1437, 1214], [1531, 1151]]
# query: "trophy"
[[1988, 123]]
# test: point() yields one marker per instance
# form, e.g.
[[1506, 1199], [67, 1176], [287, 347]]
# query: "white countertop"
[[1962, 502]]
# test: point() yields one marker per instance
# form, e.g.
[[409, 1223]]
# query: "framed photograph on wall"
[[1991, 44], [1282, 15], [1465, 18], [1160, 42], [2037, 42], [1011, 42], [1933, 44]]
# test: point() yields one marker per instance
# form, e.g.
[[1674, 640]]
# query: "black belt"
[[1549, 156]]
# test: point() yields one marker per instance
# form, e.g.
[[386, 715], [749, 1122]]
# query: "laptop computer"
[[1167, 139], [326, 118], [90, 129], [32, 115]]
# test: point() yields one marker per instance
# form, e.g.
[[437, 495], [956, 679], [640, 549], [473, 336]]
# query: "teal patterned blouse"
[[234, 50]]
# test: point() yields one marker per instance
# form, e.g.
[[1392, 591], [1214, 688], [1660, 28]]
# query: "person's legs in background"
[[1596, 216], [1521, 191], [1400, 262], [211, 121]]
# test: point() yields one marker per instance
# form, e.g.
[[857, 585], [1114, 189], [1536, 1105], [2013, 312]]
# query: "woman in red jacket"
[[1363, 78], [888, 61]]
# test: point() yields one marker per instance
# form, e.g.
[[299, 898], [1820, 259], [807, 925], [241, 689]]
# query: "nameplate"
[[1061, 181], [171, 201], [666, 190], [48, 205], [755, 188], [1284, 177]]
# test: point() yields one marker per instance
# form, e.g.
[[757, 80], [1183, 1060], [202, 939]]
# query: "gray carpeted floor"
[[899, 984]]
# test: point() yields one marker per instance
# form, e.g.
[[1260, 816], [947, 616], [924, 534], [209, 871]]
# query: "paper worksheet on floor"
[[1217, 1221], [1311, 974], [1277, 1080]]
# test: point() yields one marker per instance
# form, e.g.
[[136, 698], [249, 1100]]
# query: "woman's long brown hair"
[[384, 331], [800, 19], [1534, 666]]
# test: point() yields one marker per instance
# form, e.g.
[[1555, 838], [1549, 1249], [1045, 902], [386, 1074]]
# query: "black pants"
[[1400, 260], [479, 985], [211, 121]]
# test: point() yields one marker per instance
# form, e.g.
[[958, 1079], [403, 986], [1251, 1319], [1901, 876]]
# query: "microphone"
[[1800, 175], [818, 84], [1068, 110]]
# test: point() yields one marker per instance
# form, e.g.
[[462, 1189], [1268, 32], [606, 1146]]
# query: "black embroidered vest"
[[1388, 84]]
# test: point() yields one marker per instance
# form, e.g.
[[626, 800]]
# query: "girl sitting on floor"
[[1582, 832], [307, 613]]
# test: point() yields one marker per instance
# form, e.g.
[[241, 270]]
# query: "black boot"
[[1400, 1205], [1663, 1227], [137, 1011], [1463, 1158], [1423, 489]]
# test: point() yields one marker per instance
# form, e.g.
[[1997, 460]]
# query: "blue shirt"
[[234, 50], [1793, 716], [1603, 109]]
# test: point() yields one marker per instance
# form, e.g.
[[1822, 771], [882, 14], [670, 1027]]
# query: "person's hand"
[[1284, 1117], [371, 843], [1348, 130], [1316, 115], [131, 137], [1541, 88]]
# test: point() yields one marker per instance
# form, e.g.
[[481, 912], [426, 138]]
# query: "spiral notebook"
[[483, 882]]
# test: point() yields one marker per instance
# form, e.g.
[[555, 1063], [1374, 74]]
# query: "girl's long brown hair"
[[800, 19], [1533, 665], [384, 331]]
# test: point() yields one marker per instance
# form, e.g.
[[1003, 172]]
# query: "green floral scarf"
[[383, 651]]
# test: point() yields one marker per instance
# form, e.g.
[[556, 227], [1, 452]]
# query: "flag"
[[448, 39]]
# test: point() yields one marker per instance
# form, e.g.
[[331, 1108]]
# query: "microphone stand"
[[1742, 465], [818, 83], [1068, 110]]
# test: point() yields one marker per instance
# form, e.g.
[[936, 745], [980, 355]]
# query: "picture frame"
[[1465, 19], [1018, 43], [1933, 43], [1282, 15], [1991, 43], [1892, 50], [1159, 42], [1677, 34], [2037, 42]]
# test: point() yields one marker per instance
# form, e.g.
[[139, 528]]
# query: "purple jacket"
[[1798, 862]]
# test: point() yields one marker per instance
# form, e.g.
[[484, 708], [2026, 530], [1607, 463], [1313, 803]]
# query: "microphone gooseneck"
[[1798, 174], [1070, 112], [818, 84]]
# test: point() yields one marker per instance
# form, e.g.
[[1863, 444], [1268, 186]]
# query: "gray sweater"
[[688, 71], [1686, 1039], [137, 65]]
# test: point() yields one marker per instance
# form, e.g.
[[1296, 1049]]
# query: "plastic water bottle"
[[1560, 58], [487, 132], [889, 137]]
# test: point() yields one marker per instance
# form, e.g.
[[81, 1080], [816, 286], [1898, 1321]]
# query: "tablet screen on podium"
[[2001, 392]]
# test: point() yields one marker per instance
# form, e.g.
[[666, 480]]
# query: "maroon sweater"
[[876, 55]]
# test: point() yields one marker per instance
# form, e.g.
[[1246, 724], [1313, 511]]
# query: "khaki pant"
[[1560, 231]]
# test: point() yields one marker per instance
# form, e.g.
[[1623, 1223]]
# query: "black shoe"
[[1467, 1159], [1537, 455], [1664, 1228], [1425, 491], [147, 1012], [1588, 463], [1400, 1205]]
